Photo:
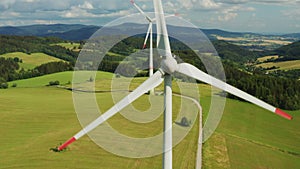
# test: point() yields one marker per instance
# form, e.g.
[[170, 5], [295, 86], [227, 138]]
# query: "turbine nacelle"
[[169, 65]]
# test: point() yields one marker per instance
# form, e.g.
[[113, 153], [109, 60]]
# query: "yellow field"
[[288, 65], [262, 59], [250, 41]]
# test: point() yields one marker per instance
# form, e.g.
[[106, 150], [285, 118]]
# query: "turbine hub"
[[169, 65]]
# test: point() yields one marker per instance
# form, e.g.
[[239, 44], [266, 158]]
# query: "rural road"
[[199, 151]]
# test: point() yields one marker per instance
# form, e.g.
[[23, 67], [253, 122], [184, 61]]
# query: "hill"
[[228, 51], [31, 44], [39, 30], [31, 61], [82, 32], [289, 52]]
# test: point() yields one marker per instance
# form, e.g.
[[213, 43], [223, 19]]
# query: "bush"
[[3, 86], [54, 83], [14, 85], [184, 122]]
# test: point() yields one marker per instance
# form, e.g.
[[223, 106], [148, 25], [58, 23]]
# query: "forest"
[[280, 88]]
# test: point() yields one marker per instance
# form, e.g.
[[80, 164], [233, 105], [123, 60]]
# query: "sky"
[[262, 16]]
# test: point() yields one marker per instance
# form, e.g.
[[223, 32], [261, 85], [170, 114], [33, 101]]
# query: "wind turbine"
[[149, 33], [168, 67]]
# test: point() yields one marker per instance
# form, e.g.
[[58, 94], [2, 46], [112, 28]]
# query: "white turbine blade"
[[141, 11], [147, 35], [162, 26], [194, 72], [150, 83], [158, 22]]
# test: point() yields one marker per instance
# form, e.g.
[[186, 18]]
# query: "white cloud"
[[116, 14], [77, 12], [86, 5], [227, 16], [9, 15], [30, 1], [6, 3], [210, 4]]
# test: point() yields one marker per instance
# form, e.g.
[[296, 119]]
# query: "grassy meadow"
[[70, 46], [32, 60], [35, 118]]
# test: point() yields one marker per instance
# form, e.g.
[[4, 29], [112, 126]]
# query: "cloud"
[[9, 15], [5, 4], [227, 16], [277, 2], [292, 14], [77, 12], [86, 5]]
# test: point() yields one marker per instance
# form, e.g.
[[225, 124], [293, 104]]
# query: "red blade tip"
[[283, 114], [63, 146], [144, 46]]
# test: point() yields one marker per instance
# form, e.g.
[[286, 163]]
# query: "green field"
[[70, 46], [32, 60], [35, 118], [287, 65]]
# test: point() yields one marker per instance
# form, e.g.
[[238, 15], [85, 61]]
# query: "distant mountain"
[[81, 32], [226, 33], [57, 30], [292, 35], [75, 34]]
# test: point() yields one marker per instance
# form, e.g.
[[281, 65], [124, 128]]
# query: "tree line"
[[31, 44], [10, 69]]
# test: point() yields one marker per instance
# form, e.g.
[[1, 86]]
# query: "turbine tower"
[[169, 66]]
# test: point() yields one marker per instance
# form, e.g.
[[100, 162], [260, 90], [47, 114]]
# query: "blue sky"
[[268, 16]]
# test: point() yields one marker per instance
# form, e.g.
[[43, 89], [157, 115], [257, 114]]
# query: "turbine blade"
[[149, 84], [158, 22], [192, 71], [141, 11], [162, 29], [147, 35]]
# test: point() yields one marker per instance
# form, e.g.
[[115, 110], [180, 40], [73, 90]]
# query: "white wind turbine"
[[149, 33], [169, 66]]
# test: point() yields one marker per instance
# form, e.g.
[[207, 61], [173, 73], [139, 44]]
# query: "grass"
[[70, 46], [35, 118], [287, 65], [32, 60], [63, 78]]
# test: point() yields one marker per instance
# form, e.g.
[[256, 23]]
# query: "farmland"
[[36, 118], [284, 65], [30, 61]]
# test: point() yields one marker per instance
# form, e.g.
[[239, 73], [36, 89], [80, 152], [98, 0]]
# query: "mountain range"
[[77, 32]]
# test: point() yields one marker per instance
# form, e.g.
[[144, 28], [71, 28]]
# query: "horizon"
[[231, 31], [264, 16]]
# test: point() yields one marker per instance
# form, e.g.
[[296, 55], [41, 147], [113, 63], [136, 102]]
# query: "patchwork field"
[[287, 65], [35, 118]]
